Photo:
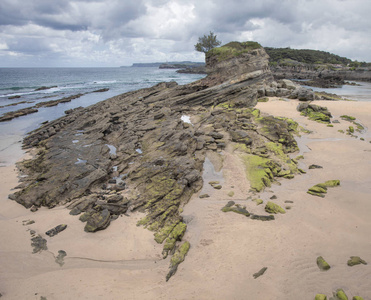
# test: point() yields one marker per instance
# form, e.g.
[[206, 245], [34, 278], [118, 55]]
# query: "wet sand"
[[124, 261]]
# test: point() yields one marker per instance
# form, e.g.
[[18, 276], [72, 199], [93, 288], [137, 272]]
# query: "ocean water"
[[24, 82]]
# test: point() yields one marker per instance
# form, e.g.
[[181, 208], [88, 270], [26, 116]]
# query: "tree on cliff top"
[[207, 42]]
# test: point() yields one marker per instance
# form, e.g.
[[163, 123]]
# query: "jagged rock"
[[322, 264], [56, 230], [356, 260], [177, 259], [260, 273], [315, 112], [274, 208], [98, 221]]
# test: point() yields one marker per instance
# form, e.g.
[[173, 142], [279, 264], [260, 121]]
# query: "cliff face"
[[139, 151]]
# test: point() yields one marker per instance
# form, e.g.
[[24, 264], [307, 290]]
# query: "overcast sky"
[[111, 33]]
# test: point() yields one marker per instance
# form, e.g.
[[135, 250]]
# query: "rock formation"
[[144, 150]]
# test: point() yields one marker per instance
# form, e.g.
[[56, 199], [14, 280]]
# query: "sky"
[[113, 33]]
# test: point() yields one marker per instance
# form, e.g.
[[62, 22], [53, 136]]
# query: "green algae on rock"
[[258, 201], [355, 260], [320, 189], [320, 297], [236, 208], [274, 208], [322, 264], [315, 112], [340, 295], [178, 258]]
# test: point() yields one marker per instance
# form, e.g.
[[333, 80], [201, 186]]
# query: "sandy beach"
[[124, 261]]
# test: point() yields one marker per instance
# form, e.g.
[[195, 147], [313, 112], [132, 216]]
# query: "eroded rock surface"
[[144, 150]]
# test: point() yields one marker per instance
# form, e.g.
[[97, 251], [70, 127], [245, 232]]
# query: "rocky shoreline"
[[145, 150]]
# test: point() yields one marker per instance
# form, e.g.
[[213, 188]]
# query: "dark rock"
[[240, 136], [75, 211], [98, 221], [315, 167], [236, 208], [38, 243], [60, 258], [204, 196], [260, 273], [262, 218], [56, 230]]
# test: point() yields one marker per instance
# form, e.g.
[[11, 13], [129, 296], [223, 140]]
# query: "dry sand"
[[124, 262]]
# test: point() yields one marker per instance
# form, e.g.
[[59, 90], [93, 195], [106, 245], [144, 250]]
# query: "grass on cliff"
[[233, 49]]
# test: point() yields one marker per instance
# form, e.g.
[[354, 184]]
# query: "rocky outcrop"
[[144, 150]]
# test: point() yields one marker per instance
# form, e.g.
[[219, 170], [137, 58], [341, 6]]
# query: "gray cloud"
[[114, 32]]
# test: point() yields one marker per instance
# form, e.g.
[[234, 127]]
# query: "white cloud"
[[114, 32]]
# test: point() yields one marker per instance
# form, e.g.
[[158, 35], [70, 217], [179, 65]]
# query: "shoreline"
[[227, 249]]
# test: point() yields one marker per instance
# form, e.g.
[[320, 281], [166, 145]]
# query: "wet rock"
[[60, 258], [356, 260], [315, 112], [262, 218], [204, 196], [56, 230], [38, 243], [274, 208], [98, 221], [322, 264], [177, 259], [236, 208], [260, 273]]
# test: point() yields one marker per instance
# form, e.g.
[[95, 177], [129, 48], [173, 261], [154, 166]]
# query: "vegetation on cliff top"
[[233, 49]]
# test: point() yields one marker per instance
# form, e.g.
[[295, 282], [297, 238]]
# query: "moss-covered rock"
[[315, 112], [274, 208], [320, 189], [340, 295], [357, 298], [258, 201], [98, 221], [259, 171], [178, 258], [356, 260], [236, 208], [322, 264], [320, 297]]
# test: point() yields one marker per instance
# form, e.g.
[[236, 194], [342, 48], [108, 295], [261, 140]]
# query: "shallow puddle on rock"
[[210, 174]]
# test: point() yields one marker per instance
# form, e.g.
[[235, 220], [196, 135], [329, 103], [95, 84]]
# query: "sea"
[[20, 88]]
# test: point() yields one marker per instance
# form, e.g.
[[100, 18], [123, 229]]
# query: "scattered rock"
[[289, 201], [60, 258], [258, 201], [204, 196], [38, 243], [356, 260], [98, 221], [231, 206], [273, 197], [315, 112], [320, 189], [322, 264], [56, 230], [262, 218], [28, 222], [315, 167], [260, 273], [231, 194], [340, 294], [274, 208], [357, 298], [320, 297]]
